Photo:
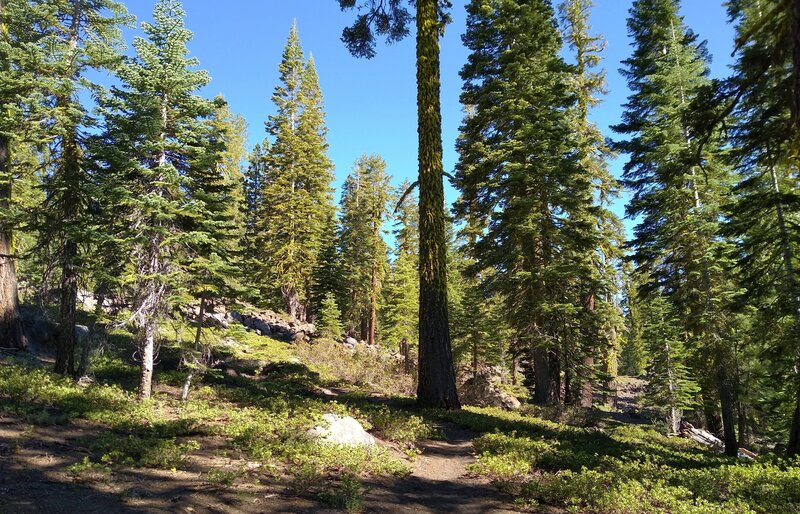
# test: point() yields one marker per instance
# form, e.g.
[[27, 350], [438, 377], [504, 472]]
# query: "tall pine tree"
[[296, 201], [678, 195], [155, 127]]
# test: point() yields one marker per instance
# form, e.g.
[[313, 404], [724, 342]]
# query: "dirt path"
[[440, 482]]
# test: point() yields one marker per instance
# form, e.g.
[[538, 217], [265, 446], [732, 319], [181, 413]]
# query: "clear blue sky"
[[370, 104]]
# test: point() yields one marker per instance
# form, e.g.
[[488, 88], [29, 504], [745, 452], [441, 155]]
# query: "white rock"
[[341, 430]]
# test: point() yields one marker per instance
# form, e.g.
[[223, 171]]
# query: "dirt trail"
[[440, 482]]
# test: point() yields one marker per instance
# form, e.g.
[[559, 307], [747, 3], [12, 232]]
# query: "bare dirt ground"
[[440, 482], [34, 479]]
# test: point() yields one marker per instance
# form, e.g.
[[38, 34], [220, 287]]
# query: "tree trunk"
[[147, 348], [587, 392], [11, 335], [373, 307], [554, 363], [197, 335], [514, 369], [541, 370], [65, 350], [436, 385], [727, 404]]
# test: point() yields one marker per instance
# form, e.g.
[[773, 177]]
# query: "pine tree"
[[212, 223], [329, 321], [296, 200], [522, 185], [88, 39], [155, 127], [670, 388], [601, 320], [761, 105], [400, 312], [22, 25], [364, 206], [436, 377], [679, 195]]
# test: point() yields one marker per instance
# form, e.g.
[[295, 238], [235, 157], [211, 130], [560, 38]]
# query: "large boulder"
[[337, 429], [481, 391]]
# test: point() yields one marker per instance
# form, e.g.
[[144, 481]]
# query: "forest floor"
[[238, 445]]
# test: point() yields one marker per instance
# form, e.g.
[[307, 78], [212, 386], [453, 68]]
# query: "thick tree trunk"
[[11, 335], [728, 409], [436, 384], [65, 351]]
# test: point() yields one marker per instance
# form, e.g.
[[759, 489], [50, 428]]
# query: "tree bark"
[[587, 392], [65, 350], [197, 335], [11, 335], [436, 382], [541, 370], [727, 404]]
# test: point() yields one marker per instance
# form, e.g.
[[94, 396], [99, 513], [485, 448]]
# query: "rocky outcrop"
[[337, 429], [274, 325], [481, 391]]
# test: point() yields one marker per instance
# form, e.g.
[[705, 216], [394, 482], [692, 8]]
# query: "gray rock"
[[351, 341], [81, 332], [337, 429], [481, 391]]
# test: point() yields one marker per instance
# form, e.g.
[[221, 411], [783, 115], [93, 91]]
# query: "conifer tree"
[[155, 128], [671, 388], [521, 182], [400, 312], [88, 39], [601, 319], [296, 200], [436, 376], [22, 25], [329, 321], [677, 242], [760, 104], [364, 206], [212, 223]]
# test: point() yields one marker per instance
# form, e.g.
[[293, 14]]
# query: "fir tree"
[[601, 320], [671, 388], [676, 243], [400, 312], [89, 39], [155, 124], [211, 223], [759, 104], [522, 187], [22, 25], [296, 200], [365, 198], [329, 322]]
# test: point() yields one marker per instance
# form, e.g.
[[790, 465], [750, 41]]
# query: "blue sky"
[[370, 104]]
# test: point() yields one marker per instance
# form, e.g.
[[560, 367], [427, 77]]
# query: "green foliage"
[[363, 252], [295, 204], [329, 322], [627, 469]]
